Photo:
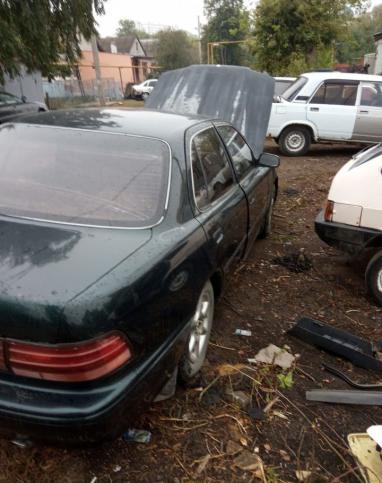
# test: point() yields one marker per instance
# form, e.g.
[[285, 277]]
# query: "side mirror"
[[276, 99], [269, 160], [24, 98]]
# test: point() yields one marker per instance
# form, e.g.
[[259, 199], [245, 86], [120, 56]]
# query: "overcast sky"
[[156, 13]]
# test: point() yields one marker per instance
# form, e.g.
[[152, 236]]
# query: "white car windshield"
[[82, 177], [292, 91]]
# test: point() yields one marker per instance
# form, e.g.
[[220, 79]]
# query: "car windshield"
[[292, 91], [82, 177]]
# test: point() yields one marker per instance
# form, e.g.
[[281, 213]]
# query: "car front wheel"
[[201, 325], [295, 141], [374, 277]]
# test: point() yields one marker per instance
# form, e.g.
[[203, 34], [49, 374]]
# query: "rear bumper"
[[348, 238], [80, 414]]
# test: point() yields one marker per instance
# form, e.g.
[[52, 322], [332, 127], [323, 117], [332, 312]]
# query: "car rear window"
[[82, 177]]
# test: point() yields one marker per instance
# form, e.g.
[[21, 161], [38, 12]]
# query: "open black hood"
[[234, 94]]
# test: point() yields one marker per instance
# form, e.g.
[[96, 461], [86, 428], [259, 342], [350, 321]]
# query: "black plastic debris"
[[291, 192], [296, 262], [346, 378], [339, 396], [360, 352], [256, 413]]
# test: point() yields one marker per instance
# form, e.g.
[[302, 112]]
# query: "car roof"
[[141, 122], [342, 75]]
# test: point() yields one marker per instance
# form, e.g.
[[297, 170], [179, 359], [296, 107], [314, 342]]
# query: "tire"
[[373, 277], [266, 228], [295, 141], [197, 343], [145, 95]]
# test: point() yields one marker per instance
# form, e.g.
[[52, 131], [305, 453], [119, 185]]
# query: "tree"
[[360, 36], [175, 49], [292, 36], [40, 33], [227, 20], [128, 27]]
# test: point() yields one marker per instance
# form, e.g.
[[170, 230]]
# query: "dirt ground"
[[200, 434]]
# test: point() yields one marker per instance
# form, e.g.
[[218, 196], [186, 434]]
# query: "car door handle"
[[315, 109], [218, 236], [364, 112]]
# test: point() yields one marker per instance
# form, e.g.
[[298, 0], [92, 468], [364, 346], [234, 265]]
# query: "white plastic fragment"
[[246, 333], [276, 356]]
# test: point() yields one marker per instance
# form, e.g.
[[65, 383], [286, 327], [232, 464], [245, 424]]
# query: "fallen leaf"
[[303, 475], [284, 455], [280, 415], [203, 464], [233, 447], [248, 461]]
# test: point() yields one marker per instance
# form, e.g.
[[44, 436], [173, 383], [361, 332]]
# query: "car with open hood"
[[352, 219], [117, 229]]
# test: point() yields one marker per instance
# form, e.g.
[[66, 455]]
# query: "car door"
[[369, 113], [7, 106], [220, 204], [253, 178], [332, 109]]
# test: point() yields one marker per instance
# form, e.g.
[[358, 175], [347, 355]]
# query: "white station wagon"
[[327, 106]]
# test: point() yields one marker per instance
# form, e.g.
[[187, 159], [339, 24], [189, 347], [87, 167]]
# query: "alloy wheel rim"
[[379, 280], [295, 141], [200, 328]]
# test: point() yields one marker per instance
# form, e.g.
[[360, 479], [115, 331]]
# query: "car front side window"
[[238, 149], [336, 93], [209, 159]]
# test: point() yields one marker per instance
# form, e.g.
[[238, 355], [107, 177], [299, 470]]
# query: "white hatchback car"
[[352, 220], [144, 89], [327, 106]]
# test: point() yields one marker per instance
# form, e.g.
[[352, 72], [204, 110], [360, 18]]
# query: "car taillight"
[[83, 361], [329, 210]]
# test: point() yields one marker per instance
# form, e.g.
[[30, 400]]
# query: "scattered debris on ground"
[[198, 433], [296, 262]]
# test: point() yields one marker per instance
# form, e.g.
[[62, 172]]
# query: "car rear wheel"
[[201, 325], [145, 95], [295, 141], [374, 277]]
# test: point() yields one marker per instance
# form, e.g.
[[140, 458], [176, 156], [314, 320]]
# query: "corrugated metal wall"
[[29, 85]]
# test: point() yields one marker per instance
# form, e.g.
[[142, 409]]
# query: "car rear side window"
[[82, 177], [209, 159], [371, 94], [238, 149], [336, 93]]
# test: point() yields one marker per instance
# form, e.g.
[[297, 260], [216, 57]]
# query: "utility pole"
[[200, 41], [101, 98]]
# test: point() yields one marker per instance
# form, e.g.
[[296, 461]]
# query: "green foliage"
[[360, 36], [292, 36], [227, 20], [175, 49], [41, 33], [128, 27], [285, 380]]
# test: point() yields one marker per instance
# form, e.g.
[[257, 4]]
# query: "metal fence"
[[69, 88]]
